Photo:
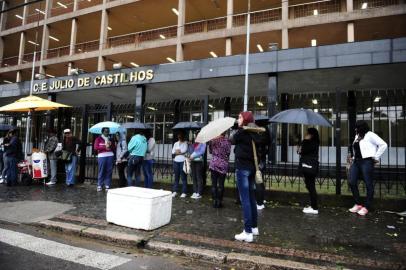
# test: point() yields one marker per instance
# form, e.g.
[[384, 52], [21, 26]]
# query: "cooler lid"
[[139, 192]]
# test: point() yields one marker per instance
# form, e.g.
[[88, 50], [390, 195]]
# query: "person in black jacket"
[[309, 165], [13, 152], [245, 173]]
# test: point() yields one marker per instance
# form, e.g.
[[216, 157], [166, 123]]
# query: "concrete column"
[[21, 48], [75, 5], [139, 104], [350, 5], [19, 76], [350, 32], [3, 16], [73, 35], [25, 12], [229, 50], [230, 12], [44, 47], [70, 66], [103, 38], [48, 7], [180, 30], [285, 18]]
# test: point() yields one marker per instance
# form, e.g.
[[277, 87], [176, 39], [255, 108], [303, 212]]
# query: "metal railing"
[[59, 10], [314, 9], [88, 46], [57, 52], [9, 61], [367, 4], [85, 3], [260, 16], [27, 58], [35, 17]]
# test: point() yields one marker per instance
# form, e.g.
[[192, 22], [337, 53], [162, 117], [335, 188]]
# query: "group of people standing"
[[137, 155]]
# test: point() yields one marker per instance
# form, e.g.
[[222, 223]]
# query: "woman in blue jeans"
[[367, 148], [245, 173]]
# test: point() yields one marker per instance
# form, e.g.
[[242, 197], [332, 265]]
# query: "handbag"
[[309, 165], [66, 156], [258, 174], [186, 166]]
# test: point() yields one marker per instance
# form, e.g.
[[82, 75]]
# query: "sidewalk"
[[333, 238]]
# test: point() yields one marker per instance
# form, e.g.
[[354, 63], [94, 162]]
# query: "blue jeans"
[[364, 168], [11, 171], [178, 170], [5, 168], [70, 169], [134, 166], [246, 188], [105, 171], [148, 174], [53, 170]]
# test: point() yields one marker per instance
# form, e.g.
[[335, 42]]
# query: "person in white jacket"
[[367, 148]]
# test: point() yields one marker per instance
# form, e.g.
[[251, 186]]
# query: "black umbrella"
[[188, 125], [4, 127], [136, 125]]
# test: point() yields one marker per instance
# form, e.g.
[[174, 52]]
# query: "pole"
[[247, 57]]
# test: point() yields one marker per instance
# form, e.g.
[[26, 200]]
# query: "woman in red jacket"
[[105, 156]]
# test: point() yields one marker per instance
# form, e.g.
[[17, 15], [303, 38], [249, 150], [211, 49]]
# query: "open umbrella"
[[113, 126], [30, 104], [4, 127], [300, 116], [136, 125], [188, 125], [214, 129]]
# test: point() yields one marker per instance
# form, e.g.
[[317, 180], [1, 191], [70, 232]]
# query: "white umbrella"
[[214, 129]]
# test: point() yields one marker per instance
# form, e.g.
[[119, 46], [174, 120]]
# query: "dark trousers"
[[148, 173], [178, 170], [246, 188], [134, 166], [217, 186], [121, 174], [364, 168], [310, 181], [11, 171], [197, 176], [259, 193]]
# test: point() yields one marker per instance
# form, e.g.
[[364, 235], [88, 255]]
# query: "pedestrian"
[[49, 148], [2, 180], [262, 150], [309, 166], [219, 149], [149, 160], [121, 157], [137, 148], [196, 160], [179, 151], [13, 152], [105, 148], [70, 147], [245, 173], [6, 140], [367, 148]]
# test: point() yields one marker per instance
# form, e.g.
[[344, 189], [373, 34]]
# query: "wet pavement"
[[334, 236]]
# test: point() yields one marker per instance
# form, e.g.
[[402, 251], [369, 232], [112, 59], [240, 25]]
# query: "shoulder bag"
[[258, 174]]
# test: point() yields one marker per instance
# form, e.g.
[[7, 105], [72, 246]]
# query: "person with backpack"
[[13, 153]]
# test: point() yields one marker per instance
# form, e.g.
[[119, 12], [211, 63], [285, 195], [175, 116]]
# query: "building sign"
[[115, 79]]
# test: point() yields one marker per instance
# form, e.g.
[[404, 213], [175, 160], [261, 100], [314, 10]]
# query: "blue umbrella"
[[136, 125], [113, 126], [188, 125], [300, 116]]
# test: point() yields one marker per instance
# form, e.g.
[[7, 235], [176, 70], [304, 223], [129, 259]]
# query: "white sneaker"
[[174, 194], [193, 195], [260, 207], [50, 183], [355, 208], [1, 181], [106, 188], [255, 231], [309, 210], [99, 188], [363, 211], [183, 195], [246, 237], [198, 196]]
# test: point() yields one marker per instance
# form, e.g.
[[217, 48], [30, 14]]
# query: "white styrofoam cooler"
[[139, 208]]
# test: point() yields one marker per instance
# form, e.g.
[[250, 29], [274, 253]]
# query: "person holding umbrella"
[[105, 148], [244, 141], [309, 165]]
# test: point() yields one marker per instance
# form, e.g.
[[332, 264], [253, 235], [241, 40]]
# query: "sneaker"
[[183, 195], [246, 237], [260, 207], [174, 194], [99, 188], [309, 210], [355, 208], [50, 184], [2, 181], [106, 188], [363, 211], [193, 195], [255, 231], [198, 196]]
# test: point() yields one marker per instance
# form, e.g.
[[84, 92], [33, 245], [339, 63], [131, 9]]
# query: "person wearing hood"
[[243, 140], [121, 159], [137, 148], [105, 148]]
